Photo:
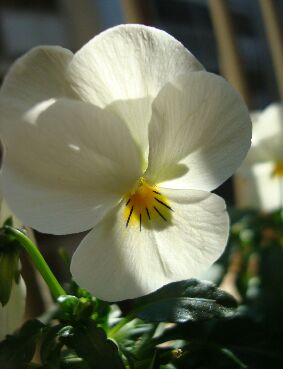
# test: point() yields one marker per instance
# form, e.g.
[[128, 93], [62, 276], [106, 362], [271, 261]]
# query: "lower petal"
[[116, 262]]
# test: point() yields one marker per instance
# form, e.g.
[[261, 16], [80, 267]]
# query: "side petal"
[[64, 167], [199, 133], [128, 62], [12, 314], [38, 75], [116, 262]]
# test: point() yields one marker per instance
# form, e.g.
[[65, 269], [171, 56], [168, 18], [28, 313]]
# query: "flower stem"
[[38, 260]]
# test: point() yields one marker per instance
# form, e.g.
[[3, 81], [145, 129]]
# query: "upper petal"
[[65, 165], [116, 262], [199, 133], [38, 75], [129, 62]]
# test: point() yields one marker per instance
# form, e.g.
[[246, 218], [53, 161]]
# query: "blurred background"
[[230, 37], [239, 39]]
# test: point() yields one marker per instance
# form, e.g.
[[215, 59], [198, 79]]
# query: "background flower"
[[12, 314], [128, 136], [261, 174]]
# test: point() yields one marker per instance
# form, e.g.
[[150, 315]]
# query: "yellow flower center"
[[146, 206], [278, 170]]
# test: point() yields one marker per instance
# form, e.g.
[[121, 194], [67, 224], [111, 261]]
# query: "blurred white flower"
[[127, 137], [261, 174], [12, 314]]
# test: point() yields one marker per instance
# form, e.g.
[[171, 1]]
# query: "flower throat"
[[278, 170], [146, 206]]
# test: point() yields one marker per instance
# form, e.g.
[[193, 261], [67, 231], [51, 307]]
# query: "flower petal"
[[116, 262], [136, 114], [129, 62], [199, 133], [65, 167], [38, 75]]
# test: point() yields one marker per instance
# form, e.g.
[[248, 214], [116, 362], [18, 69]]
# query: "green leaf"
[[190, 300], [53, 353], [51, 347], [71, 361], [193, 288], [101, 313], [91, 344], [67, 304], [17, 350], [8, 222], [184, 309]]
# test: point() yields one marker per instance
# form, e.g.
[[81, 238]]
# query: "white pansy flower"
[[127, 137], [261, 174]]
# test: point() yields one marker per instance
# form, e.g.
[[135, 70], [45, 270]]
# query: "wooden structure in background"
[[230, 61], [274, 33], [137, 11], [82, 20]]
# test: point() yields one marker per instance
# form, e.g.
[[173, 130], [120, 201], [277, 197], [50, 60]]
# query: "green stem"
[[38, 260]]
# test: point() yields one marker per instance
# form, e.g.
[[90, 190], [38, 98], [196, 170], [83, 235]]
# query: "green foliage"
[[17, 351], [190, 300], [90, 343], [85, 346], [77, 340], [75, 308], [189, 324], [258, 239], [51, 346]]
